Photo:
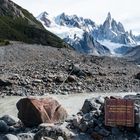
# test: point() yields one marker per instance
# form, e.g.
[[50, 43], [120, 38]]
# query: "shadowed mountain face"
[[133, 54], [18, 24]]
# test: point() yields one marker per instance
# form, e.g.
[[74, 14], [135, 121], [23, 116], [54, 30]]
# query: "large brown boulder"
[[34, 111]]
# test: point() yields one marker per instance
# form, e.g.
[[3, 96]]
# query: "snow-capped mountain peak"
[[108, 16], [43, 14], [74, 21], [46, 18], [74, 30], [85, 36], [58, 25], [113, 31]]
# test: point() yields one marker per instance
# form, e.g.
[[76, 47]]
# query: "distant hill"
[[18, 24]]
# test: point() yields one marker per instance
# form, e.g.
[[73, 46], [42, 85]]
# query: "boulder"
[[33, 111], [76, 70], [76, 121], [71, 78], [137, 76], [135, 98], [90, 105], [100, 100], [60, 78], [4, 83], [83, 126]]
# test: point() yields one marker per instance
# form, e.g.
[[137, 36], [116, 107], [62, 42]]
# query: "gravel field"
[[39, 70]]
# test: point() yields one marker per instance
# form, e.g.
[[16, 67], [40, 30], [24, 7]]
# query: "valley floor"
[[39, 70]]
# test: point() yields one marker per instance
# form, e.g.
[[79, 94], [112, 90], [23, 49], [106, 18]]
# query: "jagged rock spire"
[[45, 13], [108, 16]]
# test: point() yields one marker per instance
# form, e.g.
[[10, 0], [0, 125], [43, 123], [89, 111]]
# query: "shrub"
[[4, 42]]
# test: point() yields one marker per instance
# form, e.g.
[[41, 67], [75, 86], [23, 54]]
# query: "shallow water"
[[72, 103]]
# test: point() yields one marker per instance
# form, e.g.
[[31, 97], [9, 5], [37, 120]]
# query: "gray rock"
[[90, 105], [13, 129], [118, 137], [10, 120], [10, 137], [60, 78], [4, 83], [97, 128], [47, 138], [77, 70], [99, 100], [135, 98], [25, 136], [45, 125], [137, 118], [83, 126], [53, 132], [3, 126], [104, 132], [71, 78], [60, 138], [37, 81], [81, 136], [131, 136], [137, 76], [138, 128], [115, 131], [76, 121], [88, 116], [91, 123]]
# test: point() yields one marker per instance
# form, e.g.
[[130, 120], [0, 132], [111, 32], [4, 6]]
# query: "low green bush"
[[4, 42]]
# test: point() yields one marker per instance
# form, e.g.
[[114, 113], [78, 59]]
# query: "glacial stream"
[[72, 103]]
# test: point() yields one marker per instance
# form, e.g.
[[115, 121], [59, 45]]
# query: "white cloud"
[[121, 10]]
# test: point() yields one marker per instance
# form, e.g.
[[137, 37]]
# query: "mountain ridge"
[[114, 31], [18, 24], [73, 29]]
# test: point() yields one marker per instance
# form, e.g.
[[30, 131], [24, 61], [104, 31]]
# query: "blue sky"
[[126, 11]]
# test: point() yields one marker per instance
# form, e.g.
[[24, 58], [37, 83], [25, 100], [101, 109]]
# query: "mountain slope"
[[87, 44], [18, 24], [75, 31], [133, 54]]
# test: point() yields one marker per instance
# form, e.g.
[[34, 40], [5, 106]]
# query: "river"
[[72, 103]]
